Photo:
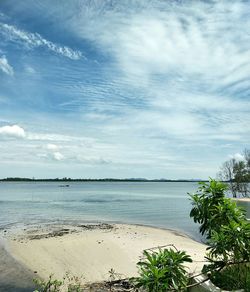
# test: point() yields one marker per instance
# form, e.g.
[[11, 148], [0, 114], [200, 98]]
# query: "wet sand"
[[13, 275]]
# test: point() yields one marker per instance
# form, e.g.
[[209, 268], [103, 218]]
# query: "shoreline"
[[14, 276], [20, 227], [92, 250]]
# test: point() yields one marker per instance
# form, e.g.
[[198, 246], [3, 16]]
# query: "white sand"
[[242, 199], [92, 253]]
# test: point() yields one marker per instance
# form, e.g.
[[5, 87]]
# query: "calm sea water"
[[164, 205]]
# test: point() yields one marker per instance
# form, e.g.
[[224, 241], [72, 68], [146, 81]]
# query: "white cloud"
[[53, 138], [48, 137], [5, 66], [54, 153], [30, 70], [54, 156], [51, 153], [52, 147], [14, 131], [57, 156], [237, 156], [32, 40]]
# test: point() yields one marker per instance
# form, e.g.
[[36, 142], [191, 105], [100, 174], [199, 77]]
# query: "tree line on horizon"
[[68, 179], [236, 172]]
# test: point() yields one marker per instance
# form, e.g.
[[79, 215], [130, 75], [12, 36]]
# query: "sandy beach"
[[242, 199], [13, 275], [91, 251]]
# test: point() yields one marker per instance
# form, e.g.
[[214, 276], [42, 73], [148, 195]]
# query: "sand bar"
[[91, 251]]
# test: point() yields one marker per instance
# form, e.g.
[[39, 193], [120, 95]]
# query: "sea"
[[159, 204]]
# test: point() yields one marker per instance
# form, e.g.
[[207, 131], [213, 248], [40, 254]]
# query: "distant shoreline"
[[17, 179]]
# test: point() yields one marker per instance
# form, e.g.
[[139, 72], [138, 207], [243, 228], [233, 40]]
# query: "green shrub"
[[212, 210], [69, 284], [228, 234], [163, 271], [51, 285], [231, 244]]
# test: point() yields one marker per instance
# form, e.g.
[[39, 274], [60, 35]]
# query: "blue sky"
[[109, 88]]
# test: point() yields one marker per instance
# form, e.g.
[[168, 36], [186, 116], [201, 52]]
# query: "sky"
[[122, 89]]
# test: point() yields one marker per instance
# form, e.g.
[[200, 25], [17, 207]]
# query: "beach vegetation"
[[163, 270], [50, 285], [233, 277], [211, 209], [229, 256], [228, 235], [68, 284]]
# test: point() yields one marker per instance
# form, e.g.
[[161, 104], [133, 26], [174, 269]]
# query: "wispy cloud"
[[5, 66], [191, 63], [32, 40], [165, 88], [184, 46]]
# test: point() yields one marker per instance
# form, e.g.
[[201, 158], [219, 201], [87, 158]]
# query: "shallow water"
[[162, 204], [159, 204]]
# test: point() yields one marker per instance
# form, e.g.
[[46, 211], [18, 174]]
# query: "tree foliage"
[[231, 243], [237, 174], [227, 231], [211, 209]]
